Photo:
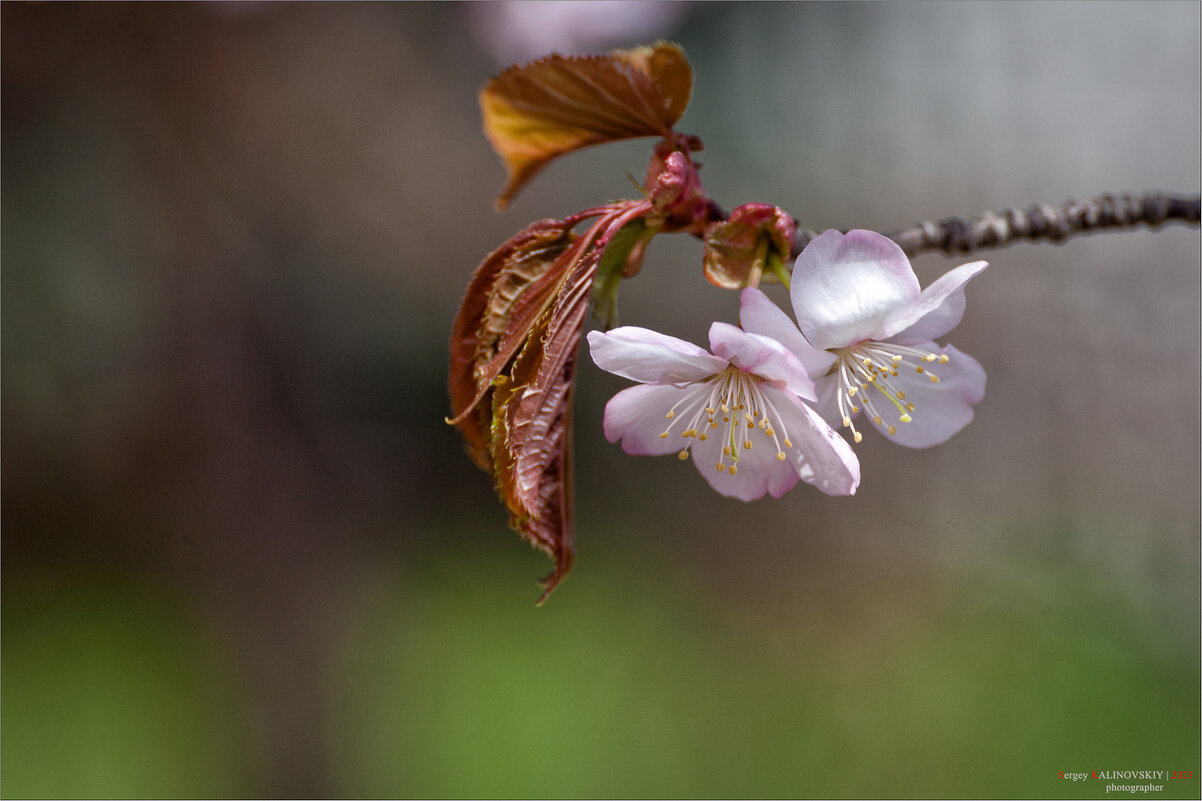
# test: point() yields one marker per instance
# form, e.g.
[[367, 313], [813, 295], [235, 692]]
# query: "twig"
[[1053, 223]]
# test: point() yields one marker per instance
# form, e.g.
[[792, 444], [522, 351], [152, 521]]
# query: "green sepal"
[[623, 258]]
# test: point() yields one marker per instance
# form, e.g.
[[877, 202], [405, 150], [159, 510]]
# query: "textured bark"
[[1039, 222]]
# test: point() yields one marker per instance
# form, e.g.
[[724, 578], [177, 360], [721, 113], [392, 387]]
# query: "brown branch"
[[1053, 223]]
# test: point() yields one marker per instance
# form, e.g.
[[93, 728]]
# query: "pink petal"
[[761, 356], [638, 416], [940, 410], [844, 288], [819, 455], [936, 311], [759, 473], [827, 405], [650, 357], [759, 315]]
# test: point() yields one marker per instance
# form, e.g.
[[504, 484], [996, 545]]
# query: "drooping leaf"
[[548, 524], [532, 433], [507, 294], [557, 104], [513, 362]]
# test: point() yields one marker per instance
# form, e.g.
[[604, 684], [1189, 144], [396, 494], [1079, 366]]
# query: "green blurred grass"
[[646, 675], [110, 691], [455, 686]]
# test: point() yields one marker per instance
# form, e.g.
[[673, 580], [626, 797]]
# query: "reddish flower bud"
[[752, 245]]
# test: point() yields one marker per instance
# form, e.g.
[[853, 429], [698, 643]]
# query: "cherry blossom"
[[865, 333], [737, 412]]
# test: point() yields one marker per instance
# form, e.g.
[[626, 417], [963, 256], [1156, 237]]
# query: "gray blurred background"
[[244, 556]]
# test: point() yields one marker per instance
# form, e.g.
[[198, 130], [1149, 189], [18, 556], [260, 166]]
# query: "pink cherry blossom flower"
[[865, 331], [737, 411]]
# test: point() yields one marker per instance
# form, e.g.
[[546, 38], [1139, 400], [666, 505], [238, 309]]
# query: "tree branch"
[[1053, 223]]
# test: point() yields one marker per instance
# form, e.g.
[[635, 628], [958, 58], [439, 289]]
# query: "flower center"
[[729, 405], [873, 365]]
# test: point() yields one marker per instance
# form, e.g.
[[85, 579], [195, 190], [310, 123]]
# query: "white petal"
[[845, 287], [650, 357], [759, 315], [638, 416], [761, 356], [819, 454], [936, 311], [940, 410]]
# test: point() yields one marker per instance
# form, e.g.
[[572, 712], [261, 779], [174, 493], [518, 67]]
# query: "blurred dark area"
[[243, 555]]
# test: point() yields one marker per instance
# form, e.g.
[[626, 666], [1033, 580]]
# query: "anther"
[[721, 467], [846, 421], [857, 437], [934, 378], [747, 444], [664, 435], [892, 430], [780, 456], [918, 369], [905, 418], [683, 455], [671, 413], [944, 358], [733, 469]]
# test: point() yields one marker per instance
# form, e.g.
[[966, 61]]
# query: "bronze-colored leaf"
[[525, 312], [557, 104], [507, 294]]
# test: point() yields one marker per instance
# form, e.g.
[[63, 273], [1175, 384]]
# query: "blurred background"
[[244, 556]]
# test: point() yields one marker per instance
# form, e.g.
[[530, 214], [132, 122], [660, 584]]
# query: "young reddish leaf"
[[507, 294], [532, 437], [557, 104], [753, 244], [513, 361]]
